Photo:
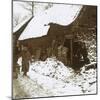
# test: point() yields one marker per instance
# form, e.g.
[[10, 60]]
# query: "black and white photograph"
[[54, 49]]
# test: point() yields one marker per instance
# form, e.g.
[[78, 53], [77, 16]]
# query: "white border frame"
[[5, 48]]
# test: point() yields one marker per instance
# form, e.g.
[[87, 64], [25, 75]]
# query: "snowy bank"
[[53, 78]]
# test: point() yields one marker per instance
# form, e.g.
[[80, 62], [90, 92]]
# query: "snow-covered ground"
[[53, 78]]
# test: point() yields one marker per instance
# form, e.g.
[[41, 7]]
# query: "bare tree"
[[49, 5], [16, 20], [29, 6]]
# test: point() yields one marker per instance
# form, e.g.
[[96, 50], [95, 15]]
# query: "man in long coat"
[[26, 57]]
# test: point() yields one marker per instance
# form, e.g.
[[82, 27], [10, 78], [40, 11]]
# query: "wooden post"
[[71, 53], [70, 38]]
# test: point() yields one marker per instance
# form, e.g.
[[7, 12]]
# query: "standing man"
[[62, 54], [26, 57], [16, 55]]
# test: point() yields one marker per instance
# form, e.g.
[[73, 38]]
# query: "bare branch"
[[16, 20], [49, 5], [29, 6]]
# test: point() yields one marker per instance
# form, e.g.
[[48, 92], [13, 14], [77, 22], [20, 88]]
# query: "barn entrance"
[[68, 43], [77, 54]]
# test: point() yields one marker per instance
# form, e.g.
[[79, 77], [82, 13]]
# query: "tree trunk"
[[32, 9]]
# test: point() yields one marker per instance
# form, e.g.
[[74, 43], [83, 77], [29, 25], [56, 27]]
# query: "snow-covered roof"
[[60, 14]]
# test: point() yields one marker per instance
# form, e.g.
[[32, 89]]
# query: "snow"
[[20, 25], [60, 14], [53, 78], [52, 68]]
